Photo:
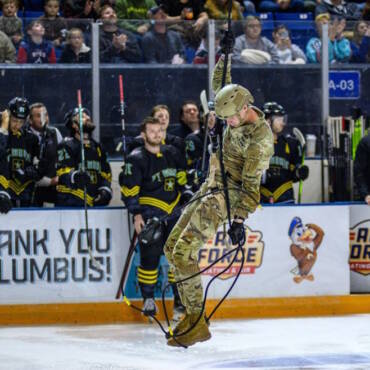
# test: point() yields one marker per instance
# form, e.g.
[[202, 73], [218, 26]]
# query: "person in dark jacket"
[[116, 45], [75, 50], [360, 43], [361, 168]]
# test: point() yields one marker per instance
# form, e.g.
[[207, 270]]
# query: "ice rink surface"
[[306, 343]]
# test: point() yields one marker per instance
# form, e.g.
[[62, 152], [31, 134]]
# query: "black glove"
[[302, 172], [227, 42], [272, 172], [81, 179], [237, 233], [5, 203], [29, 173], [186, 196], [103, 198]]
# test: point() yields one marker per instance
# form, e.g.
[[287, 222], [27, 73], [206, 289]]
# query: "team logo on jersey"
[[169, 184], [17, 164], [220, 245], [359, 240]]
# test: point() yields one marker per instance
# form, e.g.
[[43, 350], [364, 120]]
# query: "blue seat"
[[30, 14], [295, 21], [33, 5]]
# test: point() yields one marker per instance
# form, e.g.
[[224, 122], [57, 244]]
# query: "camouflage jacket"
[[246, 151]]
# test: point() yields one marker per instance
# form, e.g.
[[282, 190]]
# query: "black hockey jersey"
[[150, 183], [69, 160], [279, 178], [23, 159]]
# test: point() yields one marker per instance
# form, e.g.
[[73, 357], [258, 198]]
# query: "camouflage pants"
[[199, 222]]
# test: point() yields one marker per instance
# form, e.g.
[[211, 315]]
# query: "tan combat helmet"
[[231, 99]]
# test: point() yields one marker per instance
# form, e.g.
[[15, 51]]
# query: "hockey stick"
[[83, 168], [204, 103], [122, 143], [126, 268], [299, 136]]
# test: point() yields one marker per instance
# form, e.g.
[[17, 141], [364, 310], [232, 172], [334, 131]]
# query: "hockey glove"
[[5, 203], [237, 233], [302, 172], [29, 173], [186, 196], [80, 178], [103, 198], [227, 42]]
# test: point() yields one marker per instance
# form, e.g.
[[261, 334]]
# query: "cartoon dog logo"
[[306, 239]]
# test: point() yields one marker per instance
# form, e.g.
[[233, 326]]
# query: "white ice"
[[305, 343]]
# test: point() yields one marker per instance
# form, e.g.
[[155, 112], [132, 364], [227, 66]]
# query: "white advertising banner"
[[289, 251], [44, 256], [359, 238]]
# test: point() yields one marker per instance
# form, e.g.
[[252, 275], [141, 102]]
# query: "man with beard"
[[97, 177], [151, 181], [116, 45], [49, 138]]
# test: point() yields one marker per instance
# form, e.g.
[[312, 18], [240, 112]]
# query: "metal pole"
[[324, 103], [211, 55], [95, 83]]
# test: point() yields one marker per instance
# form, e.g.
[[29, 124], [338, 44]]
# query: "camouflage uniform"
[[247, 150]]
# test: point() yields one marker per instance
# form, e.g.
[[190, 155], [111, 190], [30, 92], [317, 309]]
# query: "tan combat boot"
[[199, 333]]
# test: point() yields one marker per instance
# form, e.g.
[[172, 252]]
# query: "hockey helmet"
[[231, 99], [151, 233], [71, 113], [273, 109], [19, 107]]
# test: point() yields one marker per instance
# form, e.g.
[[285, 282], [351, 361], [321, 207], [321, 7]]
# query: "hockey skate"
[[199, 333], [149, 307]]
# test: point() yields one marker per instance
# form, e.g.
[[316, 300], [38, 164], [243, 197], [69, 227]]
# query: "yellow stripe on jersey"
[[127, 192], [168, 208], [77, 193]]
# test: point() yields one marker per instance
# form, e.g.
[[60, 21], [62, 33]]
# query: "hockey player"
[[5, 201], [23, 151], [72, 180], [49, 139], [151, 183], [285, 165], [247, 147]]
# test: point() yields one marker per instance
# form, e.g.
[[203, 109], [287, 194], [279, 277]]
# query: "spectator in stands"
[[360, 44], [7, 49], [36, 50], [339, 46], [339, 8], [189, 119], [75, 50], [281, 6], [180, 10], [161, 45], [129, 11], [288, 53], [10, 23], [218, 9], [361, 168], [251, 47], [55, 25], [188, 17], [81, 8], [248, 6], [116, 45], [201, 55]]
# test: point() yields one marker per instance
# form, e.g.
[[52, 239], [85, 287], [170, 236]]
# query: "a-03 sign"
[[344, 84]]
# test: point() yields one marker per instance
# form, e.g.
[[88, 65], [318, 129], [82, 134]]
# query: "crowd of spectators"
[[175, 31]]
